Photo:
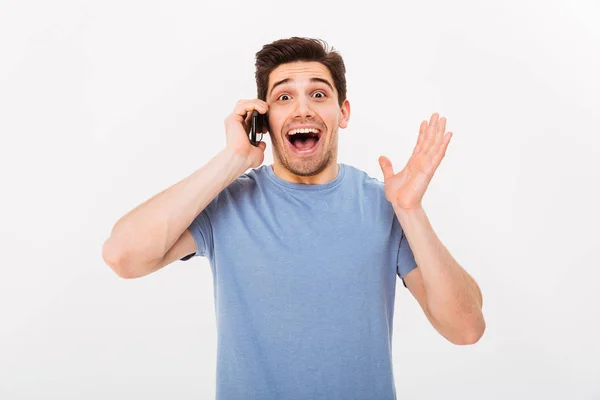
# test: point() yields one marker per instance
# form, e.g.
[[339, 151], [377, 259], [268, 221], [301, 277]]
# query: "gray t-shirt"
[[304, 283]]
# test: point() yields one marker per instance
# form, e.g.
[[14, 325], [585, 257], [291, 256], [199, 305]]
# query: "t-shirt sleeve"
[[202, 231], [406, 260]]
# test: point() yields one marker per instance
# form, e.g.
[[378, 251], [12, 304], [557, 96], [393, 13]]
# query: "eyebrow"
[[312, 80]]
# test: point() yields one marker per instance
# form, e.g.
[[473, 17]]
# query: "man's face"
[[302, 95]]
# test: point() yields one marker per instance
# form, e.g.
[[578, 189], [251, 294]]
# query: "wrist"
[[235, 163], [408, 211]]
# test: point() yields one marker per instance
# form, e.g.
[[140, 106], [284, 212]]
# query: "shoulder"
[[237, 192], [370, 193], [245, 184], [365, 183]]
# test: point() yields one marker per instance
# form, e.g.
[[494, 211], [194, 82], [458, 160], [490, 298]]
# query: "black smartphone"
[[256, 126]]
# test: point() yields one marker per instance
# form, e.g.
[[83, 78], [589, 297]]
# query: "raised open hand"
[[405, 189]]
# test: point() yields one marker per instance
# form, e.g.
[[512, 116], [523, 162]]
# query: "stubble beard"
[[308, 166]]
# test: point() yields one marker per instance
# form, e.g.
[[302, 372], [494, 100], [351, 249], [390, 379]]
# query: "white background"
[[104, 104]]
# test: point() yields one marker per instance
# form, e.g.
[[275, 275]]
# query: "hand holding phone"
[[241, 128]]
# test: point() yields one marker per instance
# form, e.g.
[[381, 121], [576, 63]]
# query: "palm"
[[406, 188]]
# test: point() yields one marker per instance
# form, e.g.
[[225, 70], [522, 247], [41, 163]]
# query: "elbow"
[[472, 334], [114, 260], [124, 273]]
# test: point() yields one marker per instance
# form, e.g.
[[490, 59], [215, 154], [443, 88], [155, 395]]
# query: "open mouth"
[[304, 140]]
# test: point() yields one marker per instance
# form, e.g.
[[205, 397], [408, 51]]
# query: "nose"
[[303, 109]]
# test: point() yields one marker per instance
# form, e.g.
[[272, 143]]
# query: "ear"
[[345, 117]]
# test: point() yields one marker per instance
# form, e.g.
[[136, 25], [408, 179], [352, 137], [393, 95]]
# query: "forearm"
[[147, 232], [453, 297]]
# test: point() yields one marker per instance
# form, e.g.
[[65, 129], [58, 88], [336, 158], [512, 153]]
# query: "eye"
[[283, 95], [322, 94]]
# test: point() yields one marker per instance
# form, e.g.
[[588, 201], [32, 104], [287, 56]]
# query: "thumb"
[[262, 145], [386, 167]]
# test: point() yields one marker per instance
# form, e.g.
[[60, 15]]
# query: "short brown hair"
[[299, 49]]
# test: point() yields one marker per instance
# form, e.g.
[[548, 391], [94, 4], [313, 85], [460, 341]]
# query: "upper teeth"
[[303, 130]]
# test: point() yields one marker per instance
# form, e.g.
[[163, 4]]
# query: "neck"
[[327, 175]]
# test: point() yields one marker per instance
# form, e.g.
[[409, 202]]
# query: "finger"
[[442, 152], [243, 108], [433, 118], [446, 142], [429, 138], [386, 168], [248, 119], [441, 128], [243, 111], [421, 138]]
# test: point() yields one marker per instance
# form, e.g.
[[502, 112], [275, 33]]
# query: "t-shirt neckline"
[[301, 186]]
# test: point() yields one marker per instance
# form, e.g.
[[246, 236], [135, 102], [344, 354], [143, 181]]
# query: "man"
[[304, 252]]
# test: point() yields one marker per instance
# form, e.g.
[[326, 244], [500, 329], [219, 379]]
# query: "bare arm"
[[143, 236], [449, 296], [154, 233]]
